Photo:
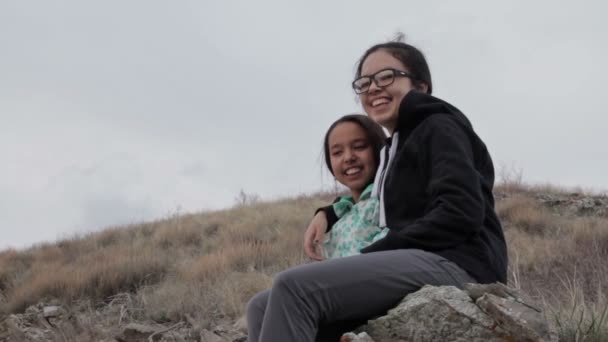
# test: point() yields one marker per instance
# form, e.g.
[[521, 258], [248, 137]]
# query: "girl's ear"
[[422, 87]]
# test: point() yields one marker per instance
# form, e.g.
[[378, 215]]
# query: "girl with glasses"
[[434, 186]]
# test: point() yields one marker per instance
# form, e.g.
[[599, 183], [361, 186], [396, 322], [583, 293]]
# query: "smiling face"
[[352, 157], [382, 104]]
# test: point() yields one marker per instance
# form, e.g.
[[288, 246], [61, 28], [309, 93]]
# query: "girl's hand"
[[314, 236]]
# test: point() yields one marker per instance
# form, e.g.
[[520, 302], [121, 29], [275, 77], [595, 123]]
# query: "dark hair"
[[411, 57], [374, 133]]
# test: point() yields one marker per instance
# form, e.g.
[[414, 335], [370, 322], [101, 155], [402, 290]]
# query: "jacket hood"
[[417, 106]]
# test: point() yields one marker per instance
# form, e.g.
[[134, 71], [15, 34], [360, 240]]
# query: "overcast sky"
[[117, 112]]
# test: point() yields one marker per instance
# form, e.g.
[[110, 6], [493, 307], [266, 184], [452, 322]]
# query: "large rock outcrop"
[[491, 312]]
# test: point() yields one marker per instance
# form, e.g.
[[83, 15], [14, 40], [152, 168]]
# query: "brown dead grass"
[[560, 259], [526, 214], [97, 274], [196, 264]]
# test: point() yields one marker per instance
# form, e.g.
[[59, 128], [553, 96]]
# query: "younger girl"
[[351, 147]]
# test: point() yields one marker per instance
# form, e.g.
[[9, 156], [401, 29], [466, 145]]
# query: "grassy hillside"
[[204, 267]]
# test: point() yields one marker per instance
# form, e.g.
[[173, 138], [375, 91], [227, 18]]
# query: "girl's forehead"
[[379, 60], [346, 131]]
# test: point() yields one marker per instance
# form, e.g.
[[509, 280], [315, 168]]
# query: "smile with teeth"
[[352, 171], [380, 101]]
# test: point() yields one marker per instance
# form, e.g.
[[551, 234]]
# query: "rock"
[[52, 320], [135, 332], [31, 326], [15, 329], [492, 312], [442, 313], [575, 204], [352, 337], [52, 311], [241, 325], [476, 291], [523, 321]]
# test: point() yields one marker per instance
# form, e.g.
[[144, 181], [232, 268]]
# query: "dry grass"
[[560, 259], [197, 264], [98, 273], [208, 265]]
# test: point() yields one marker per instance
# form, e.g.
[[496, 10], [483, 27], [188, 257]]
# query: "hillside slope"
[[197, 271]]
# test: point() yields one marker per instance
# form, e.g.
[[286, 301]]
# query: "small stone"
[[352, 337], [52, 311], [241, 325]]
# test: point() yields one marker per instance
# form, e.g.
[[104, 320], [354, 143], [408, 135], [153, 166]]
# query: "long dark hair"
[[412, 58], [374, 132]]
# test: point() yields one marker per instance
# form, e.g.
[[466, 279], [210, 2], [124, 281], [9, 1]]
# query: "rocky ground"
[[52, 322], [567, 204]]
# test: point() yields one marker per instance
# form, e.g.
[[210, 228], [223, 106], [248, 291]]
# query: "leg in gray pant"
[[304, 298]]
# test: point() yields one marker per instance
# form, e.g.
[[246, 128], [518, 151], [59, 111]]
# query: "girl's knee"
[[287, 279], [257, 303]]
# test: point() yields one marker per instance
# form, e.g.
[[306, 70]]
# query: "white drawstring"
[[380, 178]]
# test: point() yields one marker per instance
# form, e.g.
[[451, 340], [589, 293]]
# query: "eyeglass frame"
[[372, 78]]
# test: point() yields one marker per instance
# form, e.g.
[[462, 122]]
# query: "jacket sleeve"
[[455, 209], [330, 214]]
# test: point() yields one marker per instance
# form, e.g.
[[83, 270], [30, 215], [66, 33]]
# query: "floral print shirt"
[[357, 227]]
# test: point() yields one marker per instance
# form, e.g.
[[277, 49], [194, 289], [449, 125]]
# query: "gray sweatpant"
[[320, 301]]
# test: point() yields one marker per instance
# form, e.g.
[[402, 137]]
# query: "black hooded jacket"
[[438, 190]]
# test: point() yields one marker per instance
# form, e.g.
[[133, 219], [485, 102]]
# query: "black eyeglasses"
[[382, 78]]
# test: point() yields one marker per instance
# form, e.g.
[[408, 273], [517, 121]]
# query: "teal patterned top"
[[357, 227]]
